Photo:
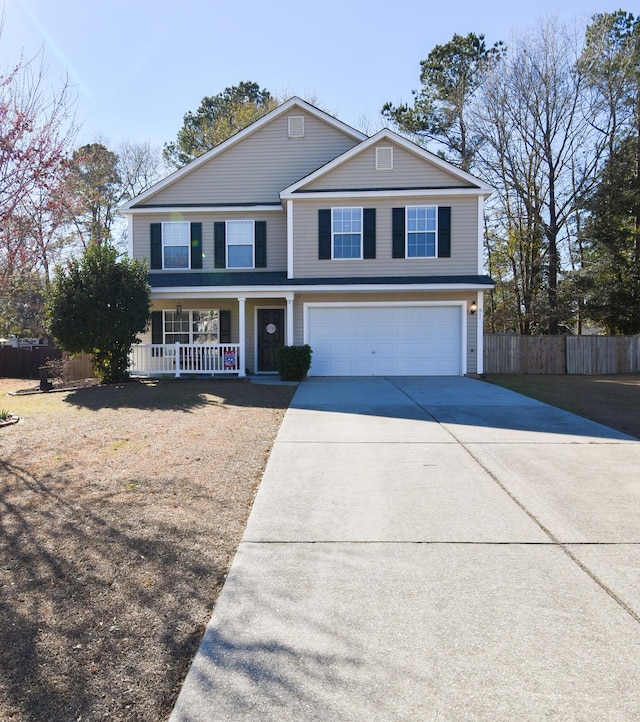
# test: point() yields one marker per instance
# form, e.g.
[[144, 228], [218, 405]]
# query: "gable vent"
[[296, 126], [384, 158]]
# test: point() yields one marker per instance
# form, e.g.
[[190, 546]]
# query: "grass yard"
[[610, 400], [121, 508]]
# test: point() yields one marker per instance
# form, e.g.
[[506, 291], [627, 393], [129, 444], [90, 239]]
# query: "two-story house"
[[300, 229]]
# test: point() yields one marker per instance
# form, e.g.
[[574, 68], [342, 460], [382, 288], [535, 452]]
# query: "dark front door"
[[270, 337]]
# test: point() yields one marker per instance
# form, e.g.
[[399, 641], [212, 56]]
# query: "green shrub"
[[4, 414], [294, 362]]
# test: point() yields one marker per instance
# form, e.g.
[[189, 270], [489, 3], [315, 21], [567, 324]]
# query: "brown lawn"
[[121, 508], [610, 400]]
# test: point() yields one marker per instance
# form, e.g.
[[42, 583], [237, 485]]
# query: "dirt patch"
[[610, 400], [121, 508]]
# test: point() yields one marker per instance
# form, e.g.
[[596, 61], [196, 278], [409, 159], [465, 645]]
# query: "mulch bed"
[[121, 508]]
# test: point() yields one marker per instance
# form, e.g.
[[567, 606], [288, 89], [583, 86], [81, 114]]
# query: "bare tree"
[[542, 152], [140, 165]]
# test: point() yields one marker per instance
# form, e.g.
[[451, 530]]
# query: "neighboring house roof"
[[238, 137], [466, 182]]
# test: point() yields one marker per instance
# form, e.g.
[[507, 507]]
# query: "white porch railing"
[[154, 359]]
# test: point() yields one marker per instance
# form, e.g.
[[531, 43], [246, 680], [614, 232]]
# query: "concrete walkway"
[[430, 549]]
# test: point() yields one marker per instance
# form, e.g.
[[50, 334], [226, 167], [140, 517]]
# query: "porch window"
[[192, 326]]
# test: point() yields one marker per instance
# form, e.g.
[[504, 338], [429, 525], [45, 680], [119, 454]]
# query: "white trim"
[[205, 209], [289, 239], [255, 333], [386, 134], [249, 130], [130, 236], [382, 304], [480, 235], [408, 193]]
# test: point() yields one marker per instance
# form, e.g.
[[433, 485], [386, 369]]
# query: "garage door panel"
[[391, 340]]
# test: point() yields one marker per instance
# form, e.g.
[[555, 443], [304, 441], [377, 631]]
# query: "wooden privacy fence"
[[513, 354], [25, 363]]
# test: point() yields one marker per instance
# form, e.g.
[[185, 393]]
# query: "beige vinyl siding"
[[302, 298], [409, 171], [276, 235], [258, 168], [464, 240]]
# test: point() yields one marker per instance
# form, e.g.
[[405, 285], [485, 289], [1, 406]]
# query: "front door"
[[270, 337]]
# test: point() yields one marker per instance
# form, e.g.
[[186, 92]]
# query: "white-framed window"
[[240, 244], [192, 326], [175, 244], [422, 231], [346, 232]]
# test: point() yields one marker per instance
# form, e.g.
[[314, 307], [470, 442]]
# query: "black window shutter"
[[324, 235], [156, 327], [444, 231], [156, 245], [397, 233], [225, 326], [369, 234], [219, 242], [196, 245], [261, 244]]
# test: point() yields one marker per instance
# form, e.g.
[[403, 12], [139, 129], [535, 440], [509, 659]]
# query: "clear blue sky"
[[137, 66]]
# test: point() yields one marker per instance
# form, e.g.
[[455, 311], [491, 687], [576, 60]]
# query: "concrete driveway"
[[430, 549]]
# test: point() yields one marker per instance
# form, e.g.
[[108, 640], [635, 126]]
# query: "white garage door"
[[385, 340]]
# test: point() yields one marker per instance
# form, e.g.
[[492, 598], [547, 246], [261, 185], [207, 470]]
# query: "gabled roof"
[[467, 179], [238, 137]]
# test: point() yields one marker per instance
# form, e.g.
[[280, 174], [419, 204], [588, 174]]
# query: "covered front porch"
[[211, 334]]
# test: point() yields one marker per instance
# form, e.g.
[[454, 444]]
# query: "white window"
[[240, 244], [422, 231], [175, 245], [346, 232], [192, 326]]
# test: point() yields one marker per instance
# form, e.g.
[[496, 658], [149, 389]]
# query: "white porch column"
[[241, 338], [480, 333], [288, 340], [289, 239]]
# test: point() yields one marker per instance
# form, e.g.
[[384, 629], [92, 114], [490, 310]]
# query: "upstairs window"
[[422, 231], [175, 245], [346, 230], [240, 241]]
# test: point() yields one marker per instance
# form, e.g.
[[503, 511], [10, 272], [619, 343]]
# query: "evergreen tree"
[[98, 304]]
